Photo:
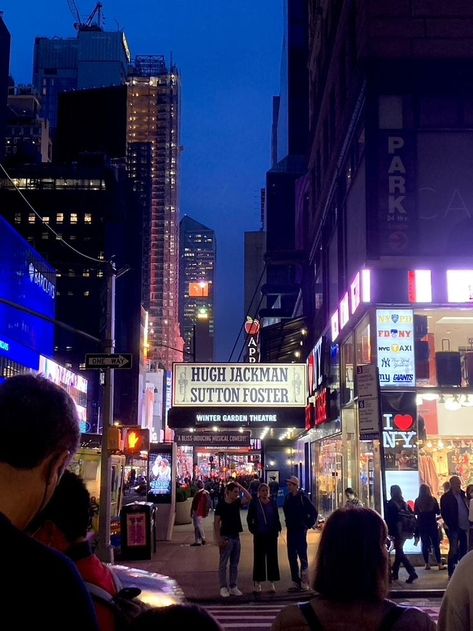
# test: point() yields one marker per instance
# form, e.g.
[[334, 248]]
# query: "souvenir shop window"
[[348, 358], [443, 348], [445, 439], [363, 342]]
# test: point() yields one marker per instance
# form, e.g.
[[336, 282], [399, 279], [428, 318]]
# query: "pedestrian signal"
[[135, 440]]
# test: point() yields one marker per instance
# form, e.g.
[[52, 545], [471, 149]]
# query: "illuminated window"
[[17, 217], [73, 217], [45, 219], [59, 217], [86, 273], [88, 218], [31, 218]]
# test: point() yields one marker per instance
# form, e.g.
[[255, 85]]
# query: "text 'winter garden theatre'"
[[237, 384]]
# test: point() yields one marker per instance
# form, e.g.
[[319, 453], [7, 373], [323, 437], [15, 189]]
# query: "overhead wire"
[[56, 234]]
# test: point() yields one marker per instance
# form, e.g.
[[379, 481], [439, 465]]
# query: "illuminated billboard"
[[199, 290], [29, 281], [73, 384]]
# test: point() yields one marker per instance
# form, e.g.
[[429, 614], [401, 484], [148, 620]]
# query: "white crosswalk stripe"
[[260, 617]]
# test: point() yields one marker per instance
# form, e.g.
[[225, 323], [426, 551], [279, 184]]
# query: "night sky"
[[228, 53]]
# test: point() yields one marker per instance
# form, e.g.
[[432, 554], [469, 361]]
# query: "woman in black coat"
[[427, 510], [396, 512], [265, 526]]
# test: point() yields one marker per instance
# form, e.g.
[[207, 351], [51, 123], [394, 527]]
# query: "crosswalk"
[[259, 617]]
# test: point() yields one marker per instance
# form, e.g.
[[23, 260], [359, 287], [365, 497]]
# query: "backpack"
[[124, 604], [408, 522], [388, 621]]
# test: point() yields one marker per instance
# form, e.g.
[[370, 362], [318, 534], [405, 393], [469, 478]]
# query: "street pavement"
[[195, 569]]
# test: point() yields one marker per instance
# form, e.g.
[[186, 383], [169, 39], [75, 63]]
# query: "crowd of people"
[[45, 549]]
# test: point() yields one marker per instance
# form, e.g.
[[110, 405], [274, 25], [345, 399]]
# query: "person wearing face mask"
[[265, 526], [40, 432]]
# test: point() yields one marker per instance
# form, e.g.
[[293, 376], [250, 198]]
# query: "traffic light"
[[135, 440]]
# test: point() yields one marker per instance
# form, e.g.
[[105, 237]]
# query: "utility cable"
[[248, 312], [56, 234]]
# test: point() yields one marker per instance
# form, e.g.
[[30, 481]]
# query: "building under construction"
[[153, 160]]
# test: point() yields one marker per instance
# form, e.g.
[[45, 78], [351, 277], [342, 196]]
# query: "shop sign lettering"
[[395, 431], [395, 348]]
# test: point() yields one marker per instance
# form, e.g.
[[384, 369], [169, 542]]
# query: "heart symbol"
[[404, 422], [394, 332], [395, 317]]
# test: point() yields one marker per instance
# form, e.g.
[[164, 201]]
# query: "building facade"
[[94, 58], [90, 210], [197, 261], [385, 223]]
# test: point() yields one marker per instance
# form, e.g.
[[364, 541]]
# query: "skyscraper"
[[196, 273], [153, 163], [93, 59]]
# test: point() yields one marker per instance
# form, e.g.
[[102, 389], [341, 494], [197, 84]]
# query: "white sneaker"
[[272, 587], [224, 593], [234, 591], [305, 587], [258, 587]]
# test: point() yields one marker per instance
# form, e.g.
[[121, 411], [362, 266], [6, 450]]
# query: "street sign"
[[367, 380], [99, 361], [368, 401], [368, 414]]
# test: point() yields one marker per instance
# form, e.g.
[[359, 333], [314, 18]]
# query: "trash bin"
[[138, 531]]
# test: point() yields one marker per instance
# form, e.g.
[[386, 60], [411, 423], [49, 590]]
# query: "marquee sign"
[[239, 385], [230, 417], [214, 439]]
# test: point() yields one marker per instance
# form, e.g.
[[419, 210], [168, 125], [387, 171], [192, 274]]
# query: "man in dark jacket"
[[454, 511], [300, 515]]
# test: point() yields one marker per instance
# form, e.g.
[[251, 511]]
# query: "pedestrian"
[[402, 526], [300, 514], [200, 508], [227, 528], [352, 500], [254, 486], [265, 526], [192, 617], [40, 587], [456, 610], [454, 510], [469, 497], [63, 525], [351, 581], [427, 510], [274, 487]]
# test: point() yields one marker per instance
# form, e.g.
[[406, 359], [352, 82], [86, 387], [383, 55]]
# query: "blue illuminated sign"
[[28, 280]]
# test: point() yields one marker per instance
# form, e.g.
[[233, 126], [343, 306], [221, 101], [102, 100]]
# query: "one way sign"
[[99, 361]]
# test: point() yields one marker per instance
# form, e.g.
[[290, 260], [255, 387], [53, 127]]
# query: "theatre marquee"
[[239, 385]]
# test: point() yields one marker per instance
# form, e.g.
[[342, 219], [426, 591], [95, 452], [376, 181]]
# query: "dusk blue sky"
[[228, 53]]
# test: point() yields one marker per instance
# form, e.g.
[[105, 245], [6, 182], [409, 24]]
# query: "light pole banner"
[[239, 385]]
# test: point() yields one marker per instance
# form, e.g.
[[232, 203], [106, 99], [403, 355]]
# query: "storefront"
[[416, 328]]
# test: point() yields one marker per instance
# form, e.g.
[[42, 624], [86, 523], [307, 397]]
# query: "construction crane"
[[93, 22]]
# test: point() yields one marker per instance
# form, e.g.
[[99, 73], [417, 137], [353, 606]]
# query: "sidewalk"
[[195, 568]]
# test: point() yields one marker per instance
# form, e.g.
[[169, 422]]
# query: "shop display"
[[448, 365]]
